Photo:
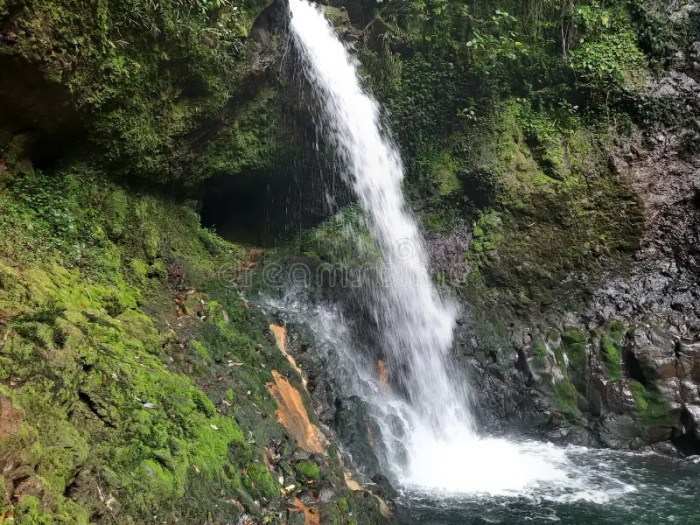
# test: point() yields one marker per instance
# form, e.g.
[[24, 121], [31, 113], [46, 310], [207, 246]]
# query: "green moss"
[[539, 349], [441, 222], [576, 350], [652, 409], [259, 481], [157, 482], [613, 358], [201, 350], [343, 505], [307, 471], [28, 512], [95, 392], [486, 236], [124, 395], [565, 400], [572, 335], [140, 270], [610, 346], [249, 143], [146, 75], [116, 209], [445, 172], [342, 239]]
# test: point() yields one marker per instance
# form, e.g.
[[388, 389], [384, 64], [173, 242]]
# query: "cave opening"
[[264, 209], [237, 212]]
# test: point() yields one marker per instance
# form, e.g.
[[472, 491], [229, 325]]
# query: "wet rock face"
[[632, 377], [447, 253], [359, 11], [341, 413], [660, 296]]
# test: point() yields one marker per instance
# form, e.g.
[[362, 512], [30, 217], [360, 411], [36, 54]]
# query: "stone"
[[693, 420], [326, 495], [652, 354], [292, 414]]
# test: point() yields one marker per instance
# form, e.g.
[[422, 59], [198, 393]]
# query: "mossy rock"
[[652, 409], [307, 471]]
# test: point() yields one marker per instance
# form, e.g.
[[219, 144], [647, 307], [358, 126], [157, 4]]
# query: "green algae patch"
[[611, 349], [652, 409], [565, 400]]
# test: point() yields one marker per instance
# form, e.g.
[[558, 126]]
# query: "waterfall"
[[416, 323], [428, 436]]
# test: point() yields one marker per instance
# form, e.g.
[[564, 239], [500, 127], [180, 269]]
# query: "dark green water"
[[615, 489]]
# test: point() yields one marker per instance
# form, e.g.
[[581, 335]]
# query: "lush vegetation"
[[132, 373], [133, 377], [507, 112], [152, 84]]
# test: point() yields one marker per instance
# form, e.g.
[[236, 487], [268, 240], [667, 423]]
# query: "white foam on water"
[[458, 466], [428, 437]]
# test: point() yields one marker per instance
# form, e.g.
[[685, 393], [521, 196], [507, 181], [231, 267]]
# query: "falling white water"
[[428, 436], [415, 321], [440, 467]]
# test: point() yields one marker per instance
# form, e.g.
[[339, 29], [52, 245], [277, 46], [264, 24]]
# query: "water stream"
[[429, 443]]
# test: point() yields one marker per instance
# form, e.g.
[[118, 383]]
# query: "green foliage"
[[178, 16], [610, 62], [655, 34], [44, 206], [151, 76]]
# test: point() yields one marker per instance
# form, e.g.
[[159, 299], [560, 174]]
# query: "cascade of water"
[[428, 436], [415, 322]]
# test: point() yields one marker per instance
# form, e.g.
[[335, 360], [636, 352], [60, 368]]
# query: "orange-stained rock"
[[292, 414], [311, 516], [280, 334], [383, 373], [355, 487]]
